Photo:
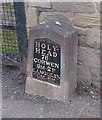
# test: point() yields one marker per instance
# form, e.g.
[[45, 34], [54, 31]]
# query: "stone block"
[[74, 7], [46, 16], [52, 60], [88, 75], [99, 7], [31, 17], [87, 20], [81, 40], [84, 75], [40, 4], [89, 67], [89, 37], [81, 31], [95, 74], [93, 38], [89, 57]]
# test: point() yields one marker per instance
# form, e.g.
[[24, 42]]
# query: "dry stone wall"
[[85, 17]]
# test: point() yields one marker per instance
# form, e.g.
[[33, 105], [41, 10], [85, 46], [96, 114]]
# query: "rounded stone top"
[[62, 27]]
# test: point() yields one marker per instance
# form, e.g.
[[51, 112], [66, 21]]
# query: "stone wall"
[[85, 17]]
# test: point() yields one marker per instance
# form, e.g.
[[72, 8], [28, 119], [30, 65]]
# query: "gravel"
[[17, 104]]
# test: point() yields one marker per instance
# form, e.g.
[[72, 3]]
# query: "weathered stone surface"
[[51, 15], [81, 31], [98, 6], [88, 26], [81, 36], [31, 17], [82, 40], [74, 7], [93, 38], [95, 74], [40, 4], [90, 37], [89, 57], [87, 20], [46, 16], [89, 65], [84, 75], [96, 84], [64, 35]]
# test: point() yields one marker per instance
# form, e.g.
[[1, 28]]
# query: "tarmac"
[[84, 103]]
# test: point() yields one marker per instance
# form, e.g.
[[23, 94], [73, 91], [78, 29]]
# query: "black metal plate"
[[46, 62]]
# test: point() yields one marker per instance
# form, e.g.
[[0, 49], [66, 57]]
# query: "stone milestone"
[[52, 60]]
